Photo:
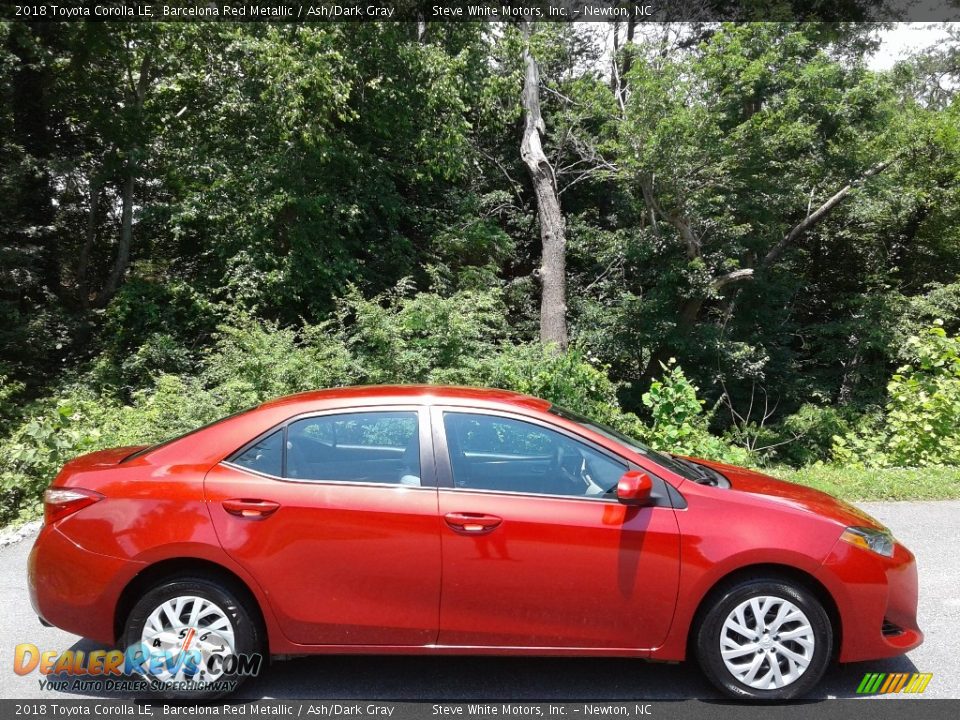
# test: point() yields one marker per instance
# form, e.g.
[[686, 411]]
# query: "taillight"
[[58, 503]]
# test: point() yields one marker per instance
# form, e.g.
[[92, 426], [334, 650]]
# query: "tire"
[[747, 660], [225, 625]]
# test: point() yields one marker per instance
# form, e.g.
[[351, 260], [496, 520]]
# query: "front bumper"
[[75, 589], [876, 598]]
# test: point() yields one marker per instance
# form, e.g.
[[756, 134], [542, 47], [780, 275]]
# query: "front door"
[[537, 552], [335, 515]]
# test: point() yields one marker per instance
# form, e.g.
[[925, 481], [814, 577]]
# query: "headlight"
[[880, 541]]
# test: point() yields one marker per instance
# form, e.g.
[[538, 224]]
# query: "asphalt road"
[[930, 529]]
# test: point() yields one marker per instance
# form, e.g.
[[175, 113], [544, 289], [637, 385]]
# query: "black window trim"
[[662, 495], [428, 474]]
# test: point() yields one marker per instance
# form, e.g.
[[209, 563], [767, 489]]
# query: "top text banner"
[[493, 11]]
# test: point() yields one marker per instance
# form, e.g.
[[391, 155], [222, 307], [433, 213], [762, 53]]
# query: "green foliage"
[[329, 204], [680, 424], [402, 336], [35, 452], [255, 360], [80, 421], [568, 379], [152, 328], [806, 436], [394, 337], [8, 394], [919, 425], [677, 411]]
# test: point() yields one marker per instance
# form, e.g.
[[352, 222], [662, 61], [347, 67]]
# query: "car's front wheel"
[[192, 637], [765, 639]]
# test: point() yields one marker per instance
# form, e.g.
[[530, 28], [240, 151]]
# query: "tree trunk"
[[83, 266], [553, 230], [122, 261], [628, 51], [421, 28], [131, 169]]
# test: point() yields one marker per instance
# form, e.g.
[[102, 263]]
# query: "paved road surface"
[[930, 529]]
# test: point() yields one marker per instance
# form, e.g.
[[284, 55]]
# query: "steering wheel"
[[567, 474]]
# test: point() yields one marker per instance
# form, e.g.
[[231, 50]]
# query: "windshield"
[[681, 468]]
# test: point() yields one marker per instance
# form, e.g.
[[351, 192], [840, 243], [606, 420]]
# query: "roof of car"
[[436, 392]]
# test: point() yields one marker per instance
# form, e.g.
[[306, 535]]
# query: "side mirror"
[[634, 488]]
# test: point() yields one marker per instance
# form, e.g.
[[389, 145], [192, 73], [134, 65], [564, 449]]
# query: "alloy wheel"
[[192, 635], [767, 642]]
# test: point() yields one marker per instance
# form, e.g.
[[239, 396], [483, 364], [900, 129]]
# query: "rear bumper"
[[877, 601], [75, 589]]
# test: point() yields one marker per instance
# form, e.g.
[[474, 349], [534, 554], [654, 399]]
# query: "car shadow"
[[458, 678], [462, 678]]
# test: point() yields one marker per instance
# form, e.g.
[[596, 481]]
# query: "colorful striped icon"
[[894, 683]]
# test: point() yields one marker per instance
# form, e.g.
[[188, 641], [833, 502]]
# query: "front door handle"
[[253, 509], [472, 523]]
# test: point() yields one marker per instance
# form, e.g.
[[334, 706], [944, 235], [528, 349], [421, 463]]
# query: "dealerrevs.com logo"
[[138, 669], [887, 683]]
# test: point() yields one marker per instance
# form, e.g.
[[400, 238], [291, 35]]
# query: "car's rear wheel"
[[765, 639], [196, 638]]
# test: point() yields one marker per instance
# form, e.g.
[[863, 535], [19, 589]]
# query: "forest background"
[[737, 241]]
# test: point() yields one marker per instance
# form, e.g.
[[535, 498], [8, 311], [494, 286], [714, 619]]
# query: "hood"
[[798, 496]]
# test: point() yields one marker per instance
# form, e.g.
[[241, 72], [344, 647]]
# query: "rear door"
[[335, 515]]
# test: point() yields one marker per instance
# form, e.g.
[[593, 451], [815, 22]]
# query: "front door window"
[[490, 452]]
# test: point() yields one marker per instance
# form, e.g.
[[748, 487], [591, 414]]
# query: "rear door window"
[[380, 447]]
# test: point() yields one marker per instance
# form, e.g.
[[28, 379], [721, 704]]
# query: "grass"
[[848, 483]]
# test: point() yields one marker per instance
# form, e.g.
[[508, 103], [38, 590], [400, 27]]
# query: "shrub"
[[151, 327], [393, 337], [36, 450], [680, 423], [806, 436], [254, 360], [400, 337], [919, 425], [81, 422], [567, 379], [9, 408]]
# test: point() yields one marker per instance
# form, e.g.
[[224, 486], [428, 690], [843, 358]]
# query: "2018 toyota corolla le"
[[461, 521]]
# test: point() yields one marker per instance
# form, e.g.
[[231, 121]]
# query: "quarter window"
[[489, 452], [264, 456]]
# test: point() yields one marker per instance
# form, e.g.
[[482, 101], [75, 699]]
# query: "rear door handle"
[[472, 523], [250, 508]]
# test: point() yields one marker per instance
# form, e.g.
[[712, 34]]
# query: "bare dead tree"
[[749, 428], [553, 229]]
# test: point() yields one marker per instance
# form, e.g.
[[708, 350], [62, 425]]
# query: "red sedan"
[[459, 521]]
